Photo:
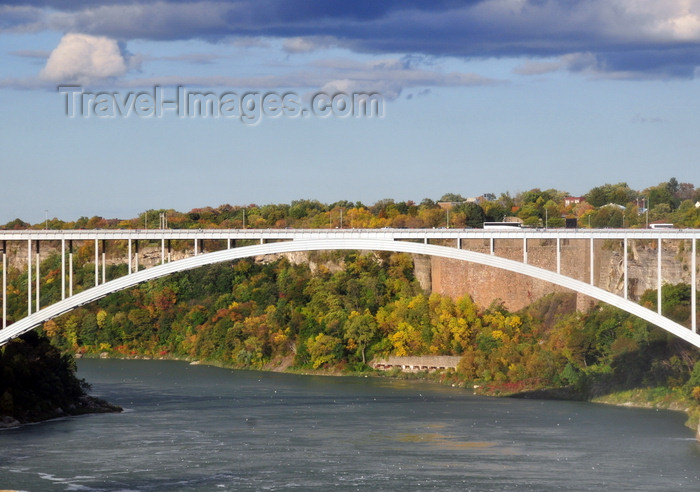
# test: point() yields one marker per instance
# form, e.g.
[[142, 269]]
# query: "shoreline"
[[85, 405]]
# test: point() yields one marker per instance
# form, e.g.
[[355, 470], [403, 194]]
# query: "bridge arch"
[[89, 295]]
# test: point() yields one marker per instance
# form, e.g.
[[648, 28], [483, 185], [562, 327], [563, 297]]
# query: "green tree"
[[360, 330]]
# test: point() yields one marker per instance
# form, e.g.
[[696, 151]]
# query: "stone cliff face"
[[486, 285], [642, 264]]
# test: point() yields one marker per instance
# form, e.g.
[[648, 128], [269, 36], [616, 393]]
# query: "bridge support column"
[[168, 250], [558, 255], [525, 250], [29, 277], [97, 262], [70, 268], [693, 287], [136, 255], [4, 284], [162, 251], [63, 269], [104, 261], [38, 275], [196, 246], [129, 254], [491, 246], [592, 265], [624, 266], [459, 243], [658, 276]]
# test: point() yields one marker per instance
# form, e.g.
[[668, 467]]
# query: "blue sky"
[[479, 96]]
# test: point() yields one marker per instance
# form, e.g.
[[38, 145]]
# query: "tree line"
[[609, 205]]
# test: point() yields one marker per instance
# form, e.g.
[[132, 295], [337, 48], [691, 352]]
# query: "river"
[[194, 427]]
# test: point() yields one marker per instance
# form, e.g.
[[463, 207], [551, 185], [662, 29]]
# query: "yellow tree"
[[406, 340], [321, 349]]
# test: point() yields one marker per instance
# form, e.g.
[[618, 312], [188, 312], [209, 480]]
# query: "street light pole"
[[646, 208]]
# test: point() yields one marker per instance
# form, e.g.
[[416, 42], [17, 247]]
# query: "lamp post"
[[646, 209]]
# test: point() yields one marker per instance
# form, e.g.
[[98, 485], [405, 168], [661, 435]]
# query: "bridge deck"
[[290, 234]]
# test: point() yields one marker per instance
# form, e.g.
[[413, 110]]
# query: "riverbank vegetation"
[[337, 311], [38, 382]]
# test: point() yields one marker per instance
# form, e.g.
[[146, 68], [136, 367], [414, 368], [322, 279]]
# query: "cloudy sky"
[[478, 96]]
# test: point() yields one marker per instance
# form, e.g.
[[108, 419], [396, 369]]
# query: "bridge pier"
[[693, 287], [658, 276], [63, 269], [38, 275], [70, 268], [29, 277], [624, 268], [591, 255], [4, 284], [558, 255], [97, 262]]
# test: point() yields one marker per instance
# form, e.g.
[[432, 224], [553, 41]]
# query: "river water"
[[189, 427]]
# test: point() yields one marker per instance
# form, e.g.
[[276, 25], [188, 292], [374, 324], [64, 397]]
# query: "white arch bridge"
[[274, 241]]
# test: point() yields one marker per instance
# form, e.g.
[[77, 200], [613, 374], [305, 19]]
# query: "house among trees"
[[573, 200]]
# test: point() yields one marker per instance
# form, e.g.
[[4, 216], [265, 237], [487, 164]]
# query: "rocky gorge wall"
[[487, 284]]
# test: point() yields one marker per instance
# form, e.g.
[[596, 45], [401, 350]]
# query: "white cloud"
[[629, 38], [307, 44], [298, 45], [83, 59]]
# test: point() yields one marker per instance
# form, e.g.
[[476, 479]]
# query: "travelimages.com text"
[[249, 107]]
